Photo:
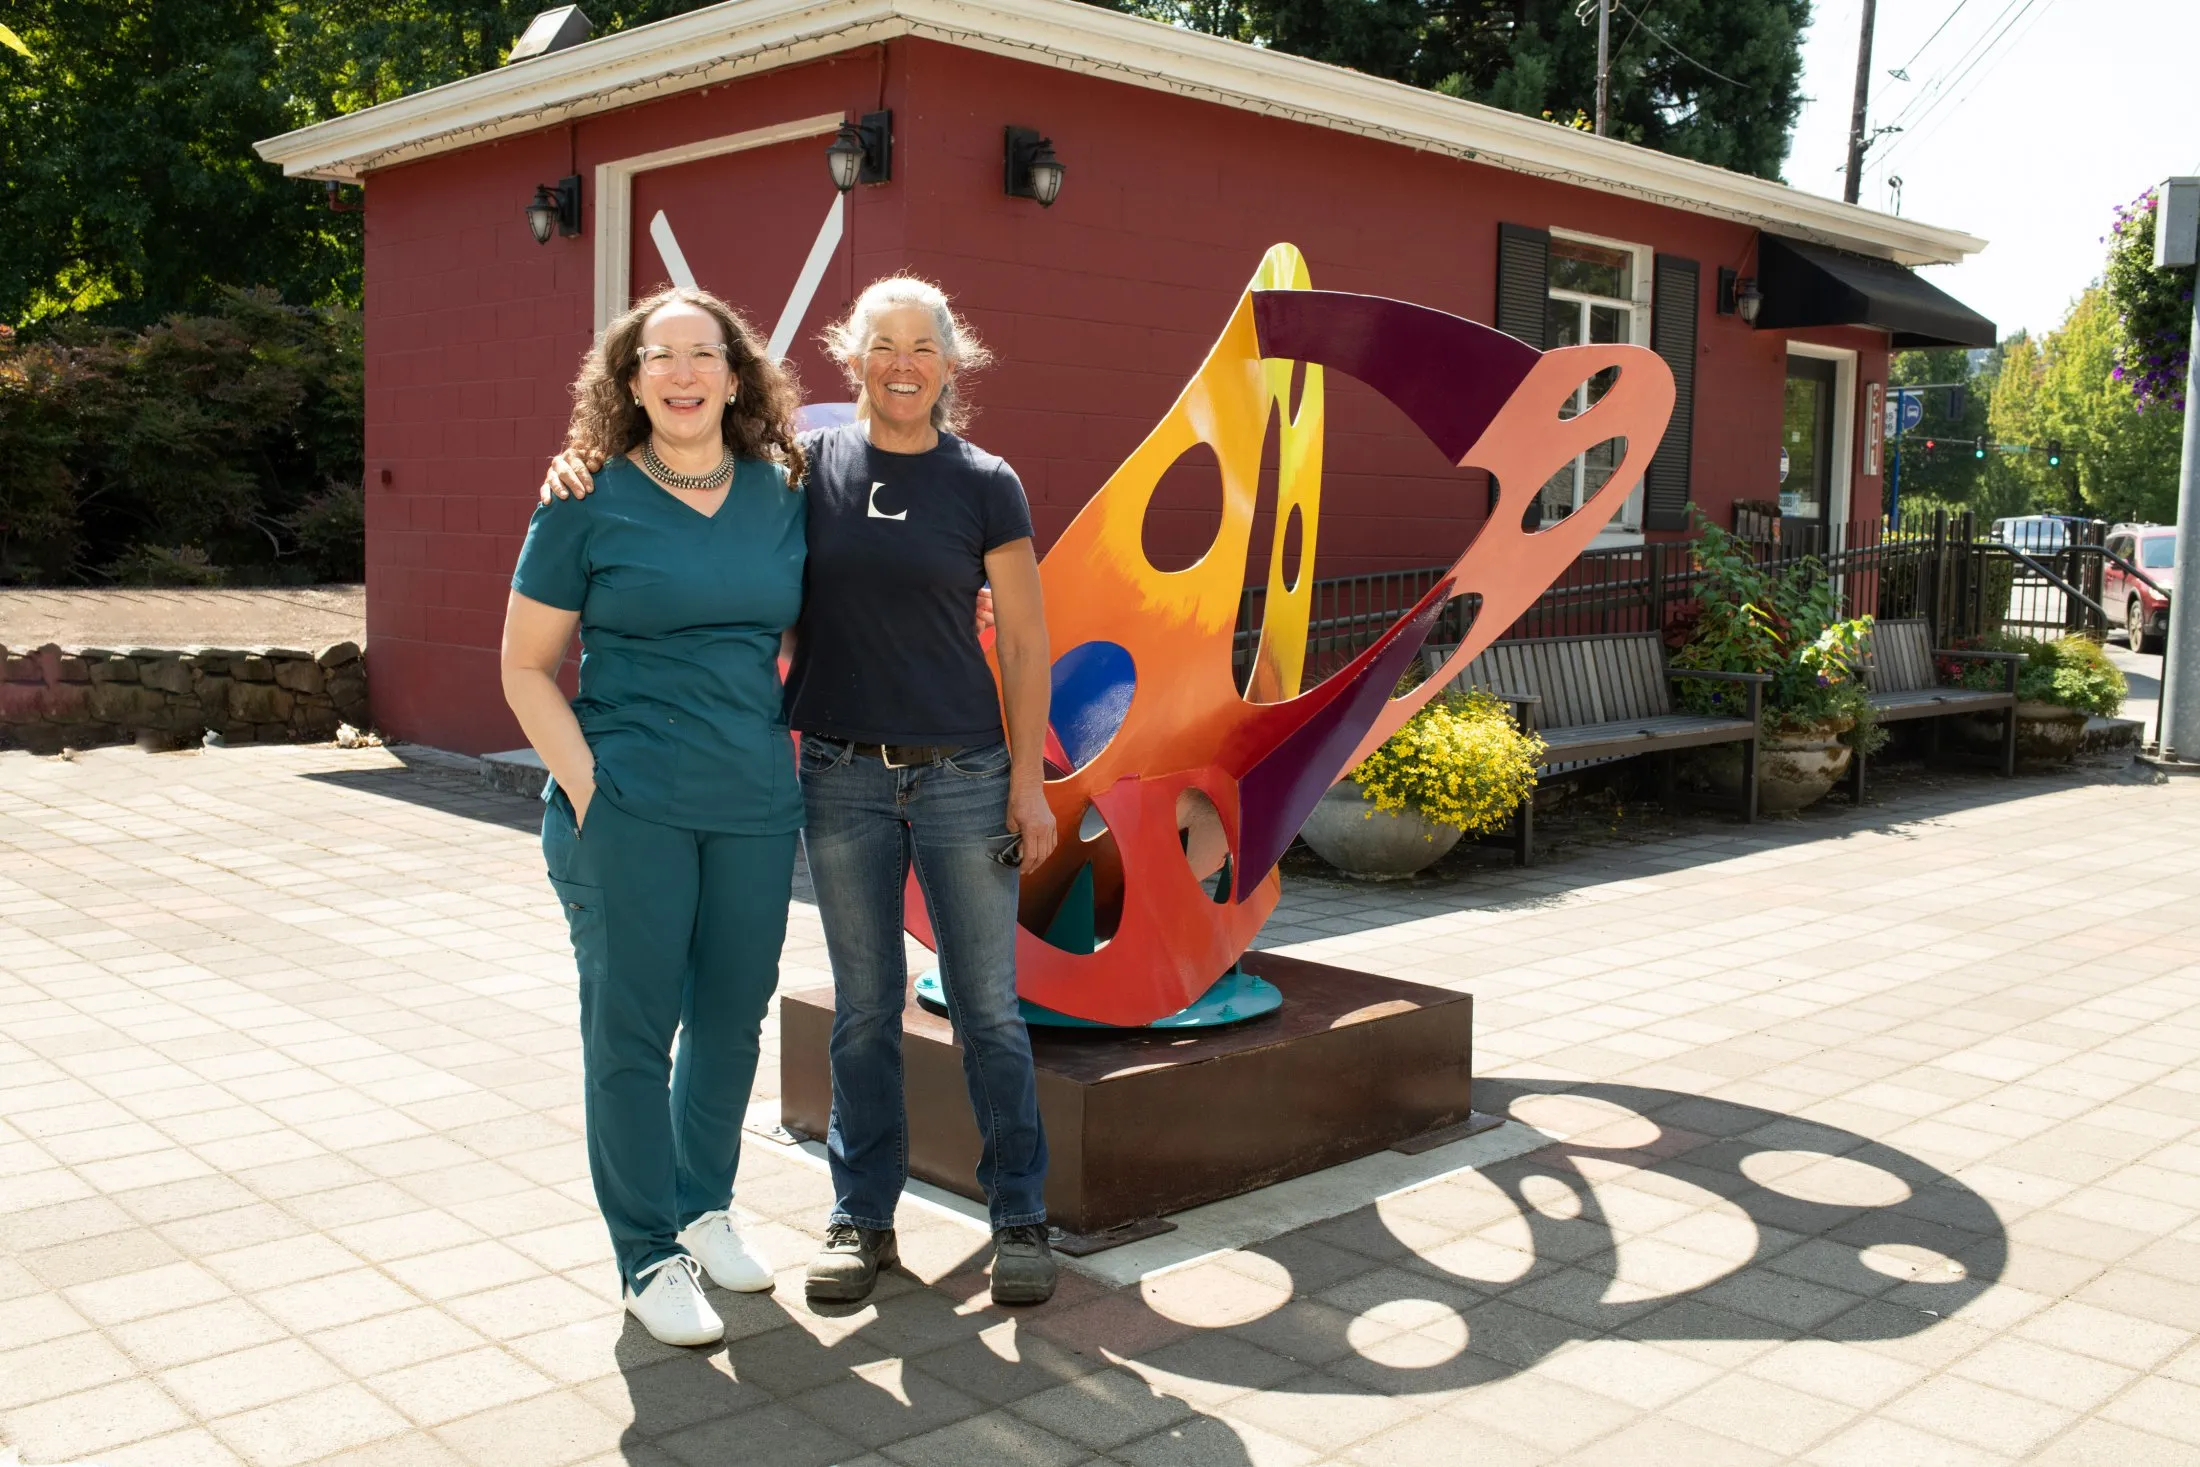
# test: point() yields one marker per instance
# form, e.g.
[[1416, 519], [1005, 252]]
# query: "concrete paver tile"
[[1321, 1411], [2098, 1443], [308, 1427], [1102, 1410], [1757, 1411], [35, 1318], [2041, 1373], [1980, 1415], [1205, 1441], [66, 1428], [1556, 1417], [2166, 1407], [458, 1385], [61, 1367], [547, 1432], [196, 1447], [1658, 1439], [1433, 1438], [258, 1376], [394, 1341], [1888, 1443], [775, 1434], [2117, 1338]]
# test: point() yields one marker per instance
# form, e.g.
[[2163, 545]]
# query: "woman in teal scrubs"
[[674, 806]]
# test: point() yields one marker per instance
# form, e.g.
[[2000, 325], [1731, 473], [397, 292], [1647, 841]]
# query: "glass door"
[[1806, 451]]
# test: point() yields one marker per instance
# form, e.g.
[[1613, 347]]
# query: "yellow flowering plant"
[[1461, 761]]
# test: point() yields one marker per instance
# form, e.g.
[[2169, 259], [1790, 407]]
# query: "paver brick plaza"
[[1871, 1141]]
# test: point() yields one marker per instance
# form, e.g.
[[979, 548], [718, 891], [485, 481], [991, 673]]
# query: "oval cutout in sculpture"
[[1093, 683], [1294, 546], [1184, 516], [1577, 481]]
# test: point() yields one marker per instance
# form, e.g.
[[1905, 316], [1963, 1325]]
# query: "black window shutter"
[[1523, 288], [1675, 299], [1523, 281]]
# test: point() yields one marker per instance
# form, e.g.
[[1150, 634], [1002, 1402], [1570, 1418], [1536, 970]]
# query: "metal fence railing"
[[1938, 569]]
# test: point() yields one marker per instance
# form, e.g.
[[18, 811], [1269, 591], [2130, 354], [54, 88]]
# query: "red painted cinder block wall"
[[1098, 310]]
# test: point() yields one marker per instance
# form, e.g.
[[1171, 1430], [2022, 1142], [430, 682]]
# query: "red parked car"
[[2145, 607]]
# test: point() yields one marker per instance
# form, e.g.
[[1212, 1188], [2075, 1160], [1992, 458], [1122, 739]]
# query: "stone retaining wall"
[[56, 697]]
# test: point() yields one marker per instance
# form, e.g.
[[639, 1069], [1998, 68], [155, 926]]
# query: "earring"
[[637, 401]]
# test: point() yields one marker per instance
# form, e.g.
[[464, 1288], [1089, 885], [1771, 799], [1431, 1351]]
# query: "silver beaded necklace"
[[657, 469]]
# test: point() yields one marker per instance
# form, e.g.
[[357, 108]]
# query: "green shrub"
[[2072, 672], [1785, 623], [220, 433]]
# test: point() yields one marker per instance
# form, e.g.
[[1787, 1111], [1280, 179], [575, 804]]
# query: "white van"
[[2035, 534]]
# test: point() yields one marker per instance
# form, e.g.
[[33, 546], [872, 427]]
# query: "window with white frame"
[[1599, 291]]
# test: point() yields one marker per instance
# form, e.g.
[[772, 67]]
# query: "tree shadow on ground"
[[1663, 1218]]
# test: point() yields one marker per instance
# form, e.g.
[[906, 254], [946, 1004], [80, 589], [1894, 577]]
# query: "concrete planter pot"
[[1795, 767], [2046, 732], [1348, 832]]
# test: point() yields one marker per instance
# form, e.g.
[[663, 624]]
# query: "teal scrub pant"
[[675, 932]]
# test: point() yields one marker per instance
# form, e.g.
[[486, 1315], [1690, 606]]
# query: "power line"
[[1905, 66], [1677, 51], [1915, 135], [1938, 85]]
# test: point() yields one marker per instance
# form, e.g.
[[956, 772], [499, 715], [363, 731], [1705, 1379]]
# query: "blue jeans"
[[866, 824]]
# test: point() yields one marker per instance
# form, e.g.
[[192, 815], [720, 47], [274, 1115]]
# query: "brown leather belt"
[[900, 756]]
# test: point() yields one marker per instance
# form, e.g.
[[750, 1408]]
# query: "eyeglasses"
[[705, 361]]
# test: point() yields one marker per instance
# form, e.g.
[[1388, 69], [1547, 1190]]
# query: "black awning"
[[1811, 285]]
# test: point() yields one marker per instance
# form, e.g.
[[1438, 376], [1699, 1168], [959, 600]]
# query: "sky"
[[2078, 106]]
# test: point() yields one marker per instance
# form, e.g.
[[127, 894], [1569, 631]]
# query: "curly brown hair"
[[759, 419]]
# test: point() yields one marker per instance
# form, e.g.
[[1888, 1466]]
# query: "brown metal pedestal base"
[[1146, 1122]]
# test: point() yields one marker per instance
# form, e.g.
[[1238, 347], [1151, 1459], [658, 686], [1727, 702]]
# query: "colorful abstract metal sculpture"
[[1194, 779]]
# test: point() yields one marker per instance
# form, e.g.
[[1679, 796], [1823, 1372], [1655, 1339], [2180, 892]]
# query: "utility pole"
[[1604, 65], [2177, 245], [1855, 181]]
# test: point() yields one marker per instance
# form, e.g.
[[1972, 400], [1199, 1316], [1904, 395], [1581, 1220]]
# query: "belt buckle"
[[886, 756]]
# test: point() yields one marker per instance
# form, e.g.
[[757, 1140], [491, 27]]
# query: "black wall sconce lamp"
[[1030, 170], [1739, 296], [862, 151], [556, 206]]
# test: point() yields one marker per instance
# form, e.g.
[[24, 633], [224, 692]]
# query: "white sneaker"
[[731, 1263], [671, 1306]]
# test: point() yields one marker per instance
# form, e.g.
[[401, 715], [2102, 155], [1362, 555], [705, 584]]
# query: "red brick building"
[[1185, 157]]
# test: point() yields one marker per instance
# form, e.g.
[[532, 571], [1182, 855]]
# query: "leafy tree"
[[1715, 80], [2118, 464], [128, 183]]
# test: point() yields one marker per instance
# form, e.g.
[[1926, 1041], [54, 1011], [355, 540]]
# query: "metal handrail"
[[2049, 576]]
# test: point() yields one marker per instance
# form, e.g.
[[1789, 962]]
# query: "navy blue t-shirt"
[[886, 651], [680, 621]]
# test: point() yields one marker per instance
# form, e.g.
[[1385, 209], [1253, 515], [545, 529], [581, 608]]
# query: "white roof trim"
[[725, 41]]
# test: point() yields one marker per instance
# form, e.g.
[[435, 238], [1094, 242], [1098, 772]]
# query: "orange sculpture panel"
[[1189, 776]]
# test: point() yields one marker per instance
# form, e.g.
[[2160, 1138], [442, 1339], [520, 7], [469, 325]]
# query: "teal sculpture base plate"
[[1235, 997]]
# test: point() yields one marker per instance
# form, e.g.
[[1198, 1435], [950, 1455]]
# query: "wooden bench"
[[1903, 684], [1598, 698]]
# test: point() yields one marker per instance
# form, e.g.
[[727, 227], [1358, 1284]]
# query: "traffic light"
[[1978, 448], [2054, 453], [1930, 445]]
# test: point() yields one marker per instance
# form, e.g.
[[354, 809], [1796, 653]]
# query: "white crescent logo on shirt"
[[880, 514]]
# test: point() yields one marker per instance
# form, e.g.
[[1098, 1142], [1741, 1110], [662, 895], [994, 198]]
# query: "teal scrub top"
[[680, 622]]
